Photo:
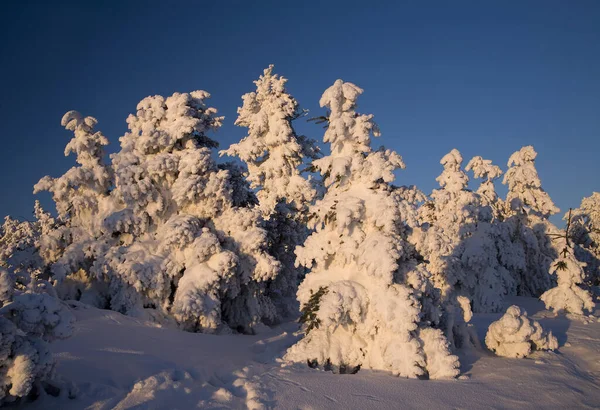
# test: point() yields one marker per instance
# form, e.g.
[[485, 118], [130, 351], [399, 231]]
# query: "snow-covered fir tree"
[[567, 296], [457, 237], [483, 247], [28, 321], [527, 250], [25, 250], [525, 192], [71, 243], [188, 248], [361, 298], [488, 172], [585, 235], [78, 193], [274, 155], [19, 243], [448, 218]]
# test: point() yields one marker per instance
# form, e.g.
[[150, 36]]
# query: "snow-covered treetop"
[[77, 189], [585, 229], [163, 124], [349, 134], [341, 98], [484, 169], [86, 144], [272, 150], [453, 178], [524, 185], [588, 212], [591, 206], [167, 146]]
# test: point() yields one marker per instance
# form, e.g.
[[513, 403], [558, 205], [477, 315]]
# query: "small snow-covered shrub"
[[27, 324], [567, 296], [515, 335]]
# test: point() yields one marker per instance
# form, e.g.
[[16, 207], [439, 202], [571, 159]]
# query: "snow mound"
[[515, 335]]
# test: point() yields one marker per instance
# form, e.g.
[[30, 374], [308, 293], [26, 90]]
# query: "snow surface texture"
[[132, 369], [515, 335], [370, 315]]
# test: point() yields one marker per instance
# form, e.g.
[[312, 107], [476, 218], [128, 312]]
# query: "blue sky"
[[483, 77]]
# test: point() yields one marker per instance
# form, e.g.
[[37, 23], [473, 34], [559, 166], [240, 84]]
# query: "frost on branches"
[[187, 248], [274, 153], [28, 321], [515, 335], [585, 234], [369, 311]]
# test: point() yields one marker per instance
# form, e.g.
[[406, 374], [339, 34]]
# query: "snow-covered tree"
[[25, 250], [526, 247], [274, 154], [19, 242], [72, 243], [28, 321], [78, 193], [585, 234], [447, 219], [567, 296], [516, 335], [361, 297], [187, 247], [457, 237], [272, 150], [525, 191], [484, 169]]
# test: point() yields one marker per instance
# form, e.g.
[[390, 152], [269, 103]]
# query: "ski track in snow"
[[117, 362]]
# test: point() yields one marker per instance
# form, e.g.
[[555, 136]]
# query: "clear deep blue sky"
[[485, 77]]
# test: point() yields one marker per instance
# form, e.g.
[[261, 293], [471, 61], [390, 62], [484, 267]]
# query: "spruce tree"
[[275, 154], [370, 316]]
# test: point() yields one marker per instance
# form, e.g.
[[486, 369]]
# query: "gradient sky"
[[485, 77]]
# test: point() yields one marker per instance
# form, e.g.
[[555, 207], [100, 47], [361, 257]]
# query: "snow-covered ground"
[[114, 361]]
